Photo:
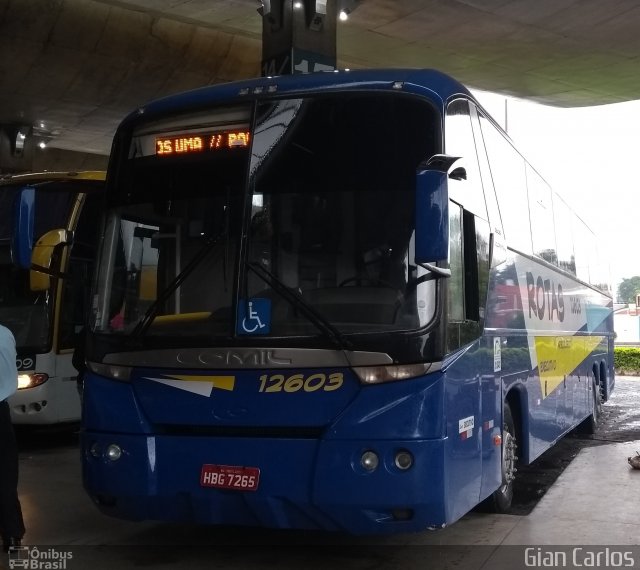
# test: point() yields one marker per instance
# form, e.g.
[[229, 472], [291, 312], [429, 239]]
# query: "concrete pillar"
[[298, 36]]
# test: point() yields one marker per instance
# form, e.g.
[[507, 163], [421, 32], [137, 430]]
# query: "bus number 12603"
[[297, 382]]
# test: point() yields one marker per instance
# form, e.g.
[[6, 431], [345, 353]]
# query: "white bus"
[[45, 314]]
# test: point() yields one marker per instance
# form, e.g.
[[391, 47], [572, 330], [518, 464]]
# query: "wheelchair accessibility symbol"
[[254, 316]]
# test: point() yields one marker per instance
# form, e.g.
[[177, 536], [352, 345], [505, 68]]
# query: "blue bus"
[[338, 301]]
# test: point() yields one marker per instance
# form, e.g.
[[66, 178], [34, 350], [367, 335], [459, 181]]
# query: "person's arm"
[[8, 369]]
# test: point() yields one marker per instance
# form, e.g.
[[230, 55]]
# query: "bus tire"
[[590, 423], [501, 499]]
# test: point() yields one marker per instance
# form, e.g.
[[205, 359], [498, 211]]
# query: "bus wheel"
[[503, 496], [590, 424]]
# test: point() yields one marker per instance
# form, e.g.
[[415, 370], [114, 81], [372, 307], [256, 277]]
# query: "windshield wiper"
[[435, 271], [331, 332], [150, 313]]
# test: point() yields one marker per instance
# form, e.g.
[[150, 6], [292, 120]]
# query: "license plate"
[[234, 477]]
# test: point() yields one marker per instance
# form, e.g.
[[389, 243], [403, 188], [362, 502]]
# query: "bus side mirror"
[[22, 229], [39, 276], [432, 210]]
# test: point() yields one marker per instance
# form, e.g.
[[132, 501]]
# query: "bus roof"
[[438, 86], [35, 177]]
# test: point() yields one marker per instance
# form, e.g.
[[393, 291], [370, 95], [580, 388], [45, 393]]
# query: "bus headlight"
[[95, 450], [369, 460], [31, 380], [403, 460], [113, 452], [112, 371], [379, 374]]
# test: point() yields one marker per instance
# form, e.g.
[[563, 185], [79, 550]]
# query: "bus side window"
[[456, 282], [564, 231], [459, 141], [487, 181], [469, 239], [509, 180], [468, 233], [542, 223], [584, 245]]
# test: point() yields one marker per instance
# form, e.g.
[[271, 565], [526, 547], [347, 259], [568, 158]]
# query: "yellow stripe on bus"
[[559, 356], [222, 382]]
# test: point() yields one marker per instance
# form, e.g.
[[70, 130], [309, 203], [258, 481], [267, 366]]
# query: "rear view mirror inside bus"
[[22, 230], [432, 216]]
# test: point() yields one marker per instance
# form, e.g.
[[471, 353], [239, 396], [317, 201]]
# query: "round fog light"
[[114, 452], [369, 460], [404, 460], [95, 449]]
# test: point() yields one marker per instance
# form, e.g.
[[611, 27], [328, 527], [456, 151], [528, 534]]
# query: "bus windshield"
[[26, 313], [297, 212]]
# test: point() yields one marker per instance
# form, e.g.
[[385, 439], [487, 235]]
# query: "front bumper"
[[304, 483]]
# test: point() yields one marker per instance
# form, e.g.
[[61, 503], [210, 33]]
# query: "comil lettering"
[[545, 298]]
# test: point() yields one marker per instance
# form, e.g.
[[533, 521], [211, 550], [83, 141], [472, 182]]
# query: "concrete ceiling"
[[74, 68]]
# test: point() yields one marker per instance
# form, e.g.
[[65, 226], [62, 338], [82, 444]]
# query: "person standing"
[[11, 522]]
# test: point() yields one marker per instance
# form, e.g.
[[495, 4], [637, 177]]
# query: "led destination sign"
[[198, 143]]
